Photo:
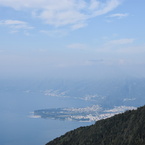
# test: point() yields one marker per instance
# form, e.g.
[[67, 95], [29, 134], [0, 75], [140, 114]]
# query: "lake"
[[18, 128], [19, 98]]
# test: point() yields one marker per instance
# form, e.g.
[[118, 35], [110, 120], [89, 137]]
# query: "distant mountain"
[[124, 129], [107, 93]]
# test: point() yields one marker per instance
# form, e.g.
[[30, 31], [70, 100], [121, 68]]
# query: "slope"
[[124, 129]]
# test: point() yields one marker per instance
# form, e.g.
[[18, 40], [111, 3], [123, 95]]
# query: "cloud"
[[78, 26], [120, 46], [106, 7], [118, 15], [134, 50], [73, 13], [94, 62], [121, 41], [54, 33], [15, 25], [77, 46]]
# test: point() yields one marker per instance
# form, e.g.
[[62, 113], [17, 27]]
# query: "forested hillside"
[[123, 129]]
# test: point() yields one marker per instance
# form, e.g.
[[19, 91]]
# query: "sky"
[[72, 38]]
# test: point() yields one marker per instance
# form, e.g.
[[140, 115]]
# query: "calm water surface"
[[17, 128]]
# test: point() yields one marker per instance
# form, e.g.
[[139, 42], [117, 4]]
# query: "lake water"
[[18, 98], [16, 126]]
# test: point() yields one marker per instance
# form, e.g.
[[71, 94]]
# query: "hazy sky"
[[72, 37]]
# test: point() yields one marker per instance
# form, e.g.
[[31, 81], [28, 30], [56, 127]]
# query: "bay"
[[18, 128]]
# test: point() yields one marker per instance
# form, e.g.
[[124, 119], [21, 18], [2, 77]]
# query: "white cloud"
[[119, 15], [77, 46], [107, 7], [73, 13], [56, 32], [134, 50], [121, 41], [94, 5], [118, 45], [13, 22], [78, 26], [15, 25]]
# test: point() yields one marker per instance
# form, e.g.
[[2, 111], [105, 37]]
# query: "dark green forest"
[[123, 129]]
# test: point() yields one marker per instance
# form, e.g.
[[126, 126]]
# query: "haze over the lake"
[[74, 54], [72, 38]]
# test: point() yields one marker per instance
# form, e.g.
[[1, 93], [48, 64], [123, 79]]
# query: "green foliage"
[[124, 129]]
